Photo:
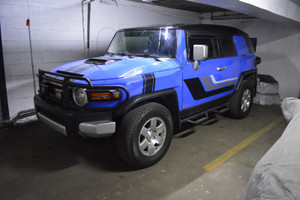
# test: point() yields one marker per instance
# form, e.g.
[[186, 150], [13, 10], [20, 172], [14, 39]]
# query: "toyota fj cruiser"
[[147, 84]]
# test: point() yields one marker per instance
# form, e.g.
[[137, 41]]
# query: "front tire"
[[145, 135], [240, 103]]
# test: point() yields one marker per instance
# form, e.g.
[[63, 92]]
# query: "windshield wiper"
[[146, 55], [124, 54], [110, 53], [120, 54]]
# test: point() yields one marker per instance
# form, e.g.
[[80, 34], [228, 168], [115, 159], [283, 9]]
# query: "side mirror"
[[200, 53]]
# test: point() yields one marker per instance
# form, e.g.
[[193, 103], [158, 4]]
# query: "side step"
[[221, 109], [206, 115], [198, 119]]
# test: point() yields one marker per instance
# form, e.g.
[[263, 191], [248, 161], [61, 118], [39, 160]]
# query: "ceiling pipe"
[[225, 16]]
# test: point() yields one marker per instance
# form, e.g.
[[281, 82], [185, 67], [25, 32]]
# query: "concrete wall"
[[287, 11], [57, 35], [279, 48], [288, 8]]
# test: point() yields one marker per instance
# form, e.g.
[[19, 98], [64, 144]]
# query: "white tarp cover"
[[290, 106], [267, 88], [267, 99], [277, 174]]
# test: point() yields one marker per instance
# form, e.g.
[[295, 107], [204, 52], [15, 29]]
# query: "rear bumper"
[[74, 123]]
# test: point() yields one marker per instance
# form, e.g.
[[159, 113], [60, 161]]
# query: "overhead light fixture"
[[148, 1]]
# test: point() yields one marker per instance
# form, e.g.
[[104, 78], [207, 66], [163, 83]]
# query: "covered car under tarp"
[[277, 174]]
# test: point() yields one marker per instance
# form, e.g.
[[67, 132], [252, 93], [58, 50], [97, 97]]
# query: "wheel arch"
[[250, 76], [167, 98]]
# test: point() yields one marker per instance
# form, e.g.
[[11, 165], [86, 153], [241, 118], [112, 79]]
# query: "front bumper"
[[74, 123]]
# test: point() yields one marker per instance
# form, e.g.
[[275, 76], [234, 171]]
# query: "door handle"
[[221, 68]]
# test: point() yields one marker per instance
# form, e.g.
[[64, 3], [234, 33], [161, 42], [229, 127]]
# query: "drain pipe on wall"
[[6, 122], [21, 115], [31, 56], [24, 113], [88, 26], [88, 31]]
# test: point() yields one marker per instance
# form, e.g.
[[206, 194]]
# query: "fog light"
[[80, 96]]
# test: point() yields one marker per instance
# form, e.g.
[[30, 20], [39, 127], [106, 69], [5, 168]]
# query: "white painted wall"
[[57, 36], [279, 48]]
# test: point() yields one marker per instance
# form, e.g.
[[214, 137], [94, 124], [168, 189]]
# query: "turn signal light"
[[105, 96]]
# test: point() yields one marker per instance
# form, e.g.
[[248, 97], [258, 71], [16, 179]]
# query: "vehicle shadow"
[[34, 145]]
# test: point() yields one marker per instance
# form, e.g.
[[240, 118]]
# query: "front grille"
[[51, 90], [57, 87]]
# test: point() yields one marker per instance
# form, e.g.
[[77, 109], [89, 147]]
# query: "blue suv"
[[149, 82]]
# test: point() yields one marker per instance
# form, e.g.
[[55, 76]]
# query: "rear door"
[[215, 77]]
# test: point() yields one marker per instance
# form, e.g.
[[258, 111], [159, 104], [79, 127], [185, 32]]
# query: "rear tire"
[[145, 135], [240, 103]]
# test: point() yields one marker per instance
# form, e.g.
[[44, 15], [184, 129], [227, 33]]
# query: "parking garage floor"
[[37, 162]]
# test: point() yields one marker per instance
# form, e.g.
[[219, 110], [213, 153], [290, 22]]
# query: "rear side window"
[[249, 44], [211, 42], [227, 46]]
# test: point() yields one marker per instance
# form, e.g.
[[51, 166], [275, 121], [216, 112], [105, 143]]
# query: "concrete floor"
[[38, 163]]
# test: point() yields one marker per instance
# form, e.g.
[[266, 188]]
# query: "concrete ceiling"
[[287, 11], [184, 5]]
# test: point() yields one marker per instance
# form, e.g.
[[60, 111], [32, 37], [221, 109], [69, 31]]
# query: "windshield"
[[147, 43]]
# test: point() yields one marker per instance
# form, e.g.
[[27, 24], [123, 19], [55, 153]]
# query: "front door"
[[214, 78]]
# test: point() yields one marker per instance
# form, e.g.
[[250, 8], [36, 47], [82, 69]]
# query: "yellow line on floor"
[[227, 155]]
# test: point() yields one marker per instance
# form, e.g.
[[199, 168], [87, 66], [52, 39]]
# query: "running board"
[[221, 109], [198, 119], [205, 116]]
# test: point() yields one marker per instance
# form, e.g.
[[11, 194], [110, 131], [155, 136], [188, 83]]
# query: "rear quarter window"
[[227, 46], [249, 44]]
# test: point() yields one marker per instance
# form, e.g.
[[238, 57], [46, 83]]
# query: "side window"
[[227, 46], [249, 44], [211, 42]]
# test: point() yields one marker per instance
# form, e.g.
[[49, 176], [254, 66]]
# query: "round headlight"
[[80, 96]]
